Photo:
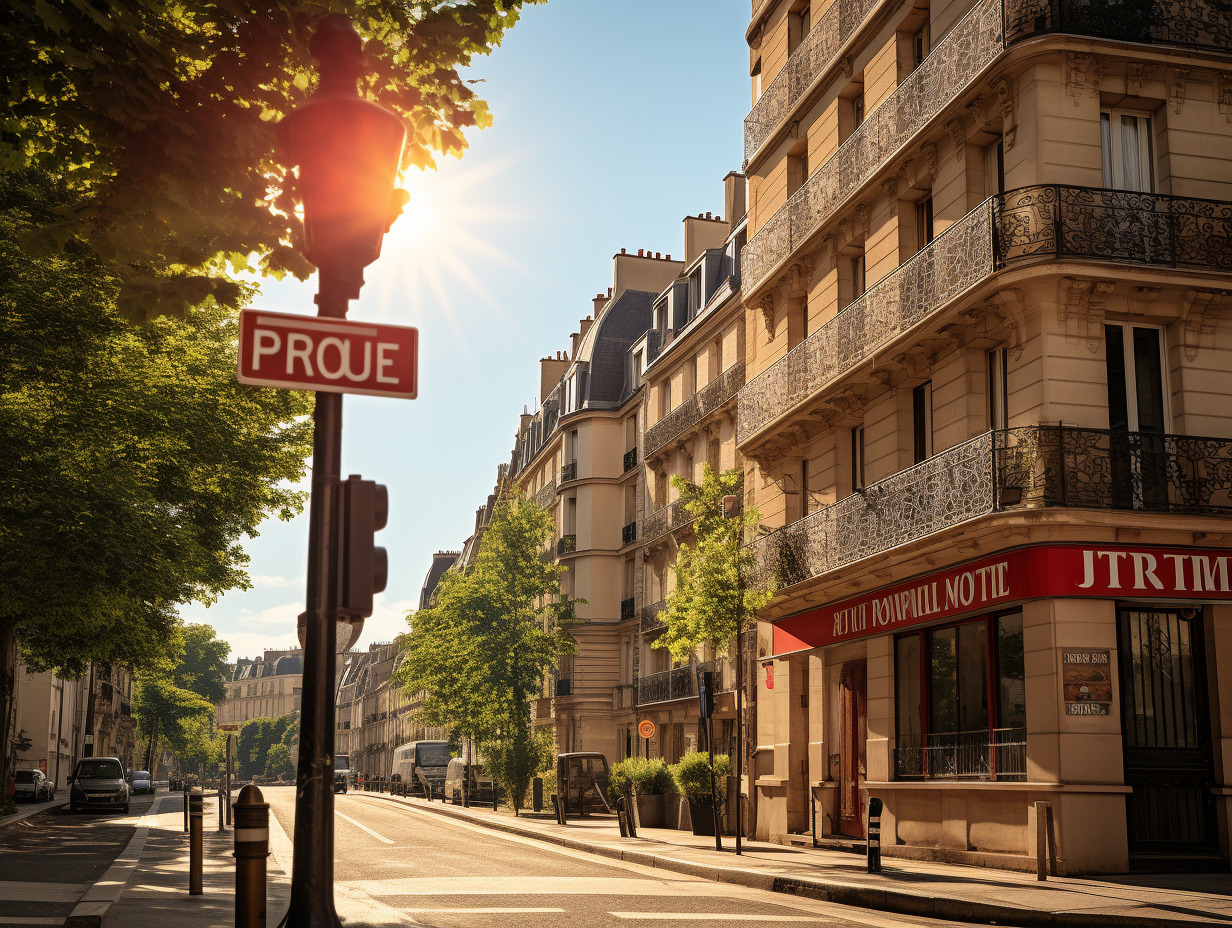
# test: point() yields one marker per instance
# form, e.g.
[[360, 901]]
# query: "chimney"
[[598, 302], [550, 372], [573, 344], [585, 325], [735, 195]]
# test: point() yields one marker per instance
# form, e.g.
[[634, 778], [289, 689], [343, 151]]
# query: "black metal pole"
[[739, 706], [312, 871], [714, 791]]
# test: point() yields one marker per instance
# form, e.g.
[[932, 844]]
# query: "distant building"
[[264, 687]]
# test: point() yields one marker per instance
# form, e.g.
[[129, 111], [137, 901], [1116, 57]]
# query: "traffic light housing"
[[363, 567]]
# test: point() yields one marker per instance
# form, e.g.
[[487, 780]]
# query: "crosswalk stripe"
[[483, 910], [715, 916], [363, 827]]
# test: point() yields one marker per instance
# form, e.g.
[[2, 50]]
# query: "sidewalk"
[[909, 887], [156, 892], [26, 809]]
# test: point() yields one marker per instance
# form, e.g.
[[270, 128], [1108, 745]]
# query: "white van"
[[423, 765]]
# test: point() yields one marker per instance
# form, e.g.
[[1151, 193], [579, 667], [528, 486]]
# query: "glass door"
[[1137, 416]]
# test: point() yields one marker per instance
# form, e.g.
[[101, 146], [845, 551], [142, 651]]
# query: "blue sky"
[[611, 123]]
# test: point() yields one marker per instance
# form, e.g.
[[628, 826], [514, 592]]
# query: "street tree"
[[135, 464], [160, 119], [481, 651], [715, 594]]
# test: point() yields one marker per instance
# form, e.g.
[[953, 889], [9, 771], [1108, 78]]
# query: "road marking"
[[517, 886], [715, 916], [42, 892], [362, 827], [482, 911]]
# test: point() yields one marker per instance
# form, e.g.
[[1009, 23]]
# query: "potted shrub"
[[649, 780], [692, 777]]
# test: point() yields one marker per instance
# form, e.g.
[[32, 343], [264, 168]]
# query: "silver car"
[[98, 782], [34, 786], [139, 782]]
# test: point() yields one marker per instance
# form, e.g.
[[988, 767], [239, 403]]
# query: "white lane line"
[[362, 827], [517, 886], [714, 916], [482, 911]]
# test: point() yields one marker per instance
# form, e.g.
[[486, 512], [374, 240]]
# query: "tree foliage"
[[710, 603], [159, 118], [258, 737], [481, 650]]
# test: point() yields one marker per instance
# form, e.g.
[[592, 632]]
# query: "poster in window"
[[1087, 678]]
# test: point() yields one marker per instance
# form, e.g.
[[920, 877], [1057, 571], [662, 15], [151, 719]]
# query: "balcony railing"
[[568, 472], [628, 609], [696, 408], [630, 459], [1028, 224], [628, 534], [566, 545], [999, 754], [812, 57], [1021, 468], [954, 64], [657, 524], [678, 683], [546, 495], [651, 620], [681, 516]]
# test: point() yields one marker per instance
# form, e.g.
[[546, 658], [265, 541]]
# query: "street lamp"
[[348, 151]]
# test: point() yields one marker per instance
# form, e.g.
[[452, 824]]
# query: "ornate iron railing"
[[656, 524], [651, 622], [956, 61], [568, 472], [628, 608], [677, 683], [1121, 226], [630, 459], [546, 495], [628, 534], [681, 516], [946, 490], [999, 754], [696, 408], [566, 545], [812, 58], [1028, 224]]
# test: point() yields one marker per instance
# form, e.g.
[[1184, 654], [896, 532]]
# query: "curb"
[[886, 899], [29, 811], [94, 903]]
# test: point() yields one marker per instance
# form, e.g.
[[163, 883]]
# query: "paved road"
[[399, 866], [47, 861]]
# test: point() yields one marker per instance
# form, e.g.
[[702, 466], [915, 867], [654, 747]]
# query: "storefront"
[[1084, 676]]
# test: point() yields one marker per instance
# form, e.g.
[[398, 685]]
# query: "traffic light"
[[363, 568]]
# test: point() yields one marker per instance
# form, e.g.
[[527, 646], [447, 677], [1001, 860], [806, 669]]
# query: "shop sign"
[[1043, 571], [1086, 676]]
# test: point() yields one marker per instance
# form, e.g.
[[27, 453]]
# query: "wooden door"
[[853, 721]]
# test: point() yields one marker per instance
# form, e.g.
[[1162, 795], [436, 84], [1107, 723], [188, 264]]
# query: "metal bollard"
[[536, 794], [222, 814], [495, 798], [1045, 841], [196, 803], [622, 816], [631, 812], [186, 809], [872, 829], [558, 805], [251, 851]]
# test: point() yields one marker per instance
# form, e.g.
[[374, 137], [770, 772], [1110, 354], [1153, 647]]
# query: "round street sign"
[[646, 729]]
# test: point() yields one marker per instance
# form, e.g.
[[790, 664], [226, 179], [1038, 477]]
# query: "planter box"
[[650, 811], [702, 817]]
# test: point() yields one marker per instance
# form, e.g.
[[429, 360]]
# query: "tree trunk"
[[8, 679]]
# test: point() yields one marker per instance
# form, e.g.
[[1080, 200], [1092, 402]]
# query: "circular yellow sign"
[[646, 728]]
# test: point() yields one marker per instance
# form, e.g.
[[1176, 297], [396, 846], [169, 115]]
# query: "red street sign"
[[333, 355]]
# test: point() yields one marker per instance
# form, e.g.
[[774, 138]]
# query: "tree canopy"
[[481, 650], [709, 603], [158, 118]]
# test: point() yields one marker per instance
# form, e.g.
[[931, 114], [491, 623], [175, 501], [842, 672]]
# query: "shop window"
[[960, 695]]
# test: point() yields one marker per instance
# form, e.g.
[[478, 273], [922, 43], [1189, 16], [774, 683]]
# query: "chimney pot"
[[622, 251], [639, 252]]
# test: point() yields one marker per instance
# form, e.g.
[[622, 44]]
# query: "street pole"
[[312, 872], [739, 705]]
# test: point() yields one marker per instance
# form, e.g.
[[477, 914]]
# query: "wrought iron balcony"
[[954, 64], [656, 524], [701, 404], [678, 683], [628, 609], [1029, 224], [811, 59], [568, 472], [566, 545], [630, 459], [999, 754], [681, 516], [628, 534], [546, 495], [651, 621], [1023, 468]]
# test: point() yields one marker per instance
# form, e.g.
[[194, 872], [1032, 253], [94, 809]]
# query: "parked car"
[[98, 782], [342, 770], [480, 782], [581, 781], [139, 782], [34, 786]]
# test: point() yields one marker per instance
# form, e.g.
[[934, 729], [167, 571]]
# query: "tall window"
[[857, 269], [1136, 395], [921, 44], [922, 421], [998, 390], [994, 168], [1125, 139], [857, 459], [804, 487], [924, 221]]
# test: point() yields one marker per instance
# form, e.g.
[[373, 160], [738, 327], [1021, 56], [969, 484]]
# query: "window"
[[924, 221], [921, 44], [637, 368], [998, 389], [857, 267], [857, 458], [950, 721], [798, 26], [804, 487], [857, 108], [1137, 416], [922, 421], [1125, 139], [994, 168], [797, 168], [695, 292]]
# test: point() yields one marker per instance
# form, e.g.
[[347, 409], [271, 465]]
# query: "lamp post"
[[348, 151], [731, 509]]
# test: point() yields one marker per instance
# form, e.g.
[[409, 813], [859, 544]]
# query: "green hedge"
[[692, 776], [648, 777]]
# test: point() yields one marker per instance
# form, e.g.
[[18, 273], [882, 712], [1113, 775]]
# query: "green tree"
[[257, 738], [481, 650], [278, 761], [160, 117], [135, 465], [710, 603]]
